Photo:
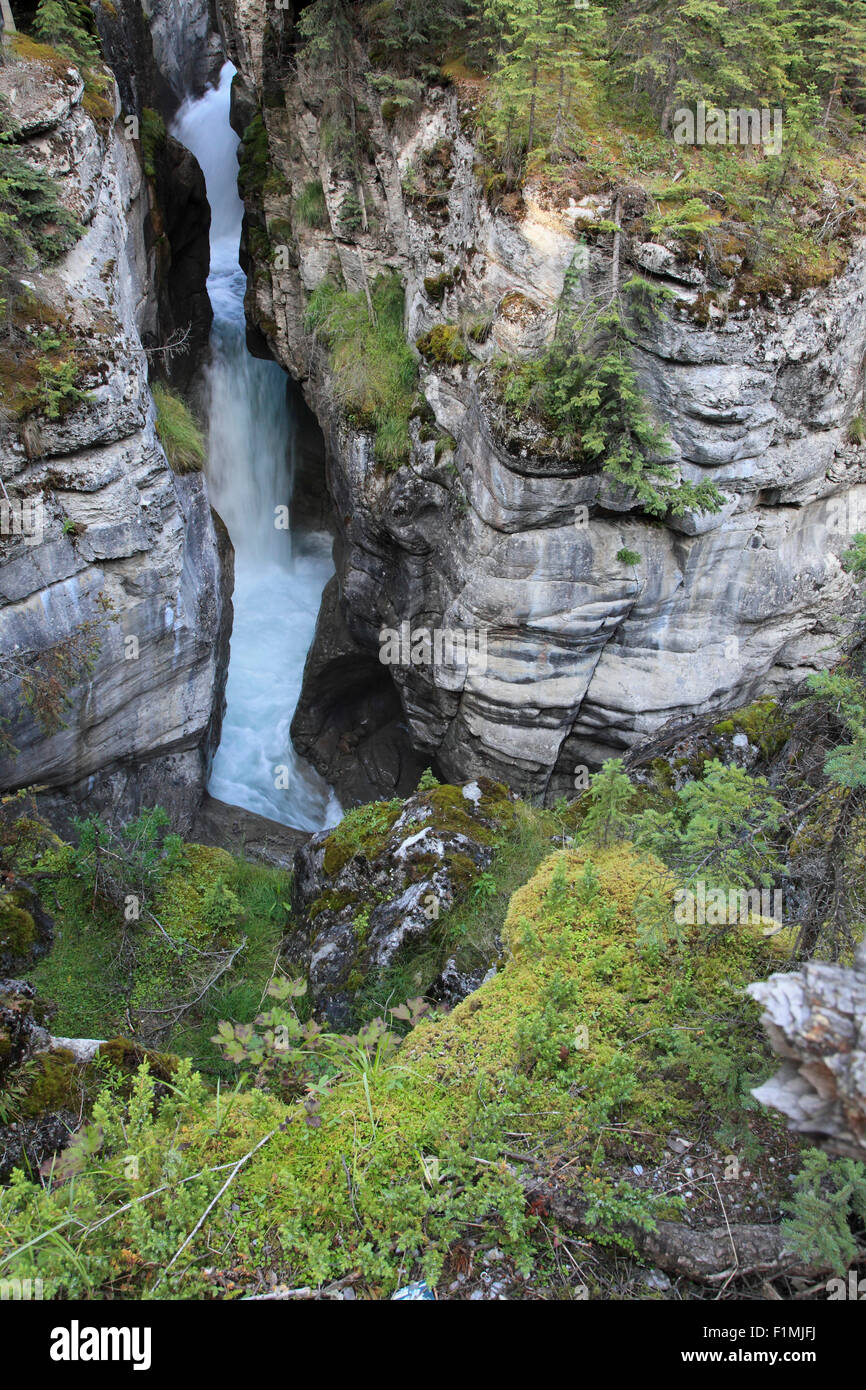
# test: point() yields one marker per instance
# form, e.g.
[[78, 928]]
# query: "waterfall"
[[278, 583]]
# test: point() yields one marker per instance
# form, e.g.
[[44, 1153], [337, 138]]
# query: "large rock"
[[376, 886]]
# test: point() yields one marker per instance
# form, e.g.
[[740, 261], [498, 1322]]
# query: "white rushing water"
[[278, 584]]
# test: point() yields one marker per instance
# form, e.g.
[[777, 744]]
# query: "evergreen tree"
[[68, 26], [33, 222], [718, 51], [610, 792], [831, 43], [544, 62]]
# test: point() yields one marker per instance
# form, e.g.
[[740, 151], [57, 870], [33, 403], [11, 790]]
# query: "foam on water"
[[278, 584]]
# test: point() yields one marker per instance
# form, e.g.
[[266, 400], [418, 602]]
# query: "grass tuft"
[[178, 430]]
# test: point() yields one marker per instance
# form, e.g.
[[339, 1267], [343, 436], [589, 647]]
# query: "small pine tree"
[[68, 26], [828, 1195], [33, 223], [610, 792]]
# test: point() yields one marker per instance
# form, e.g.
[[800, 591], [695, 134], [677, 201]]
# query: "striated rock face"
[[161, 50], [585, 656], [122, 598], [154, 69]]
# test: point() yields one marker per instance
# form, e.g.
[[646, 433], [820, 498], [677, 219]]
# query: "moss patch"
[[364, 830], [443, 344], [578, 1041], [763, 723]]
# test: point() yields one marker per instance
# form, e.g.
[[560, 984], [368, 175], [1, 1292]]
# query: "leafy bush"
[[179, 432], [374, 369]]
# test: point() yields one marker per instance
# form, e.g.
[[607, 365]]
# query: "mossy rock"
[[26, 930], [53, 1082], [443, 344], [435, 286], [127, 1056], [373, 888], [364, 830], [329, 901], [17, 930], [764, 724]]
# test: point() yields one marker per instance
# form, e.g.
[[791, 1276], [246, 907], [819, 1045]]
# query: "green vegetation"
[[420, 1129], [33, 223], [153, 138], [584, 388], [311, 210], [147, 922], [68, 26], [361, 831], [374, 369], [829, 1199], [253, 158], [179, 432], [443, 344]]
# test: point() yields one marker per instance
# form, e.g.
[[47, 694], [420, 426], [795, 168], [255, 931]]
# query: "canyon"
[[487, 528]]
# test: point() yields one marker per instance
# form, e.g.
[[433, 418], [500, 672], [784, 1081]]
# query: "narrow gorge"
[[433, 652]]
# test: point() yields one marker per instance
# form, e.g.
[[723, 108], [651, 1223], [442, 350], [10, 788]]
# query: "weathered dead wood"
[[816, 1020]]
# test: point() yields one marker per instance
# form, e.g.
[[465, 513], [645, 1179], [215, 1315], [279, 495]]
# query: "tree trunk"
[[614, 274], [8, 24]]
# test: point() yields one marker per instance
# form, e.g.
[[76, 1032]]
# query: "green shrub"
[[351, 214], [374, 369], [33, 222], [68, 26], [628, 557], [829, 1198], [584, 387], [179, 432], [58, 392]]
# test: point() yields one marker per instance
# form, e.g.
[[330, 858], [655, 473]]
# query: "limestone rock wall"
[[585, 657], [131, 565]]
